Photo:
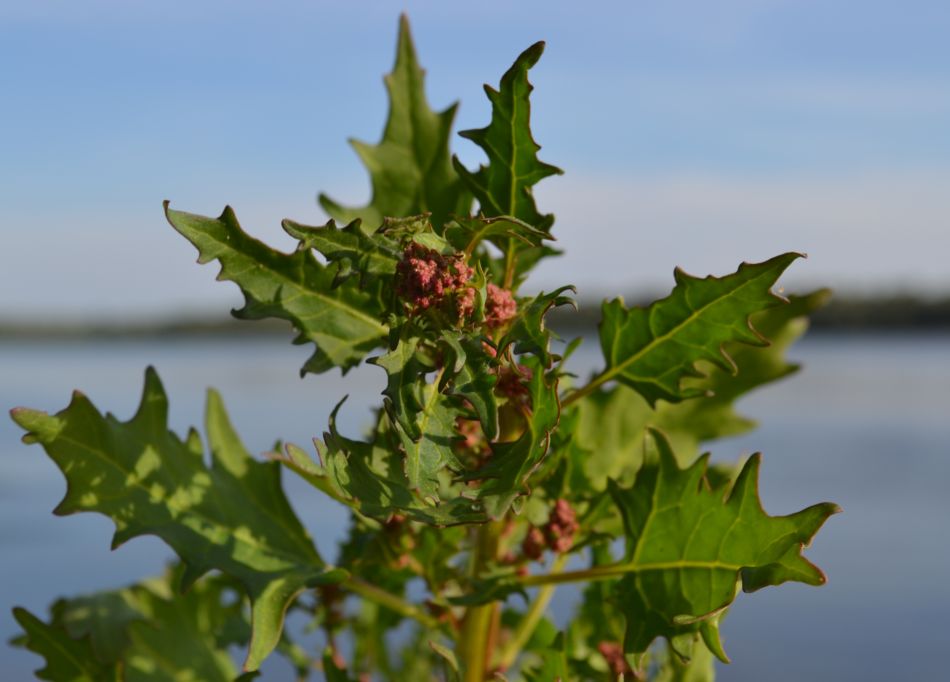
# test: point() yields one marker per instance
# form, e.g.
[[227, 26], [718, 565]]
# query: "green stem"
[[530, 620], [473, 642], [510, 260], [583, 391], [618, 570], [390, 601]]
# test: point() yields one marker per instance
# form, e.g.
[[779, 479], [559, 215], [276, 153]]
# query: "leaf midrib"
[[101, 454], [79, 663], [301, 290], [657, 340]]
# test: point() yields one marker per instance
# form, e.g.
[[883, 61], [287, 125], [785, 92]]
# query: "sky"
[[692, 134]]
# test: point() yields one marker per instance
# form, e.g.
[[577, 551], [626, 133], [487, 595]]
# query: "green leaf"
[[527, 333], [554, 665], [608, 441], [105, 618], [713, 416], [67, 659], [433, 450], [342, 321], [422, 416], [350, 248], [504, 478], [410, 168], [699, 668], [467, 233], [690, 549], [146, 632], [447, 655], [405, 381], [232, 516], [172, 637], [503, 187], [370, 477], [469, 374], [653, 349]]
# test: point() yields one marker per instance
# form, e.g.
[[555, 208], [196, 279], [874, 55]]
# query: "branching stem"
[[474, 639], [390, 601], [586, 390], [531, 618]]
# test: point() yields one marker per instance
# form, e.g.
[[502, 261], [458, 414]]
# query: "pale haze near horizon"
[[691, 135]]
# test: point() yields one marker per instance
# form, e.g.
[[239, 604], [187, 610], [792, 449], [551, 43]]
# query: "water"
[[866, 425]]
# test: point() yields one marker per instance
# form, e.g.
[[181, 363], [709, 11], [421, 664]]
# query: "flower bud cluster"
[[500, 306], [426, 279], [429, 280], [512, 383], [557, 534], [616, 661]]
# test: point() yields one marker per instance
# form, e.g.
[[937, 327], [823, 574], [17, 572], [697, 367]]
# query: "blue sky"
[[692, 133]]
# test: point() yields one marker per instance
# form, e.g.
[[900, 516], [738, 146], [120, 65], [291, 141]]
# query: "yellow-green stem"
[[530, 620], [390, 601], [475, 636], [510, 260], [587, 389]]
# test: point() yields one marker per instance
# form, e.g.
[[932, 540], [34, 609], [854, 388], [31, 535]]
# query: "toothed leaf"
[[231, 516], [192, 631], [527, 333], [504, 478], [341, 321], [608, 441], [653, 349], [713, 416], [350, 248], [433, 450], [470, 375], [691, 548], [466, 233], [67, 659], [371, 478], [410, 168], [503, 187]]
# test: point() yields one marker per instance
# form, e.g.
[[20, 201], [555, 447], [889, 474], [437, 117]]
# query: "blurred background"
[[692, 134]]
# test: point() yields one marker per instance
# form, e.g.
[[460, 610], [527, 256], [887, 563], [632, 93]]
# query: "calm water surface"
[[866, 425]]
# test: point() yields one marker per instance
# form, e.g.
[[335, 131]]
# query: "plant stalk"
[[474, 643], [390, 601], [530, 621], [510, 260], [585, 390]]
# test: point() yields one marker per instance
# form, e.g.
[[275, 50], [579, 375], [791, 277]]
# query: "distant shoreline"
[[896, 314]]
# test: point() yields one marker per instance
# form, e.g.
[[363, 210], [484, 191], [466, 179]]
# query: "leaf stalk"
[[390, 601], [530, 621]]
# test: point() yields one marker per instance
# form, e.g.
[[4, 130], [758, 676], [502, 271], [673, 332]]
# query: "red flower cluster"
[[613, 654], [556, 535], [500, 306], [533, 545], [426, 279], [561, 527], [512, 383]]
